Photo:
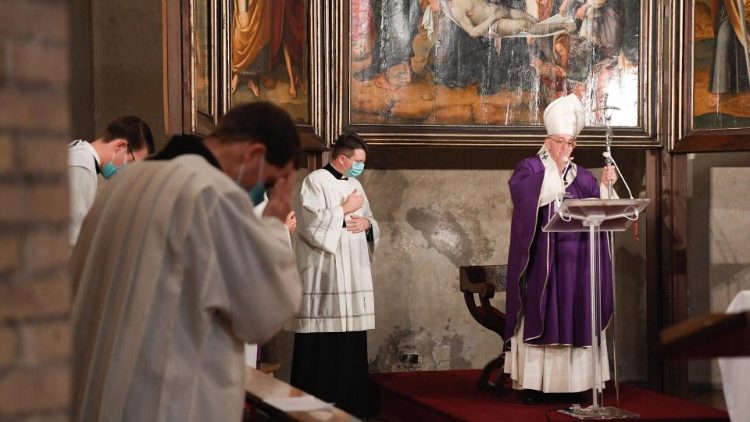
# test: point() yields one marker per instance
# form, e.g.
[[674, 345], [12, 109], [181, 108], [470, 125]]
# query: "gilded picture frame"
[[205, 82], [713, 90], [425, 107]]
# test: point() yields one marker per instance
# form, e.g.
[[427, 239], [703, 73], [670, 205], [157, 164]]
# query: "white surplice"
[[83, 182], [333, 262], [172, 272]]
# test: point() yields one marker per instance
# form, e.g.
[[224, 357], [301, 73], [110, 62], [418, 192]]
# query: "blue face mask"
[[356, 169], [258, 192], [109, 169]]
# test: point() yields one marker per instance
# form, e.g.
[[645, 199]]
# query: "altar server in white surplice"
[[337, 232], [125, 139], [173, 272]]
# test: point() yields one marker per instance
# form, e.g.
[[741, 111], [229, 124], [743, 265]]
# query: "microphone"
[[568, 161]]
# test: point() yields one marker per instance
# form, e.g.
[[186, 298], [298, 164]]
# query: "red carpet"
[[437, 396]]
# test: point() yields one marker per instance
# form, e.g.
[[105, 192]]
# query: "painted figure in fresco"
[[543, 9], [266, 34], [564, 67], [484, 18], [462, 60], [595, 52], [602, 25], [729, 70], [288, 44], [396, 23], [361, 23], [426, 38], [251, 34]]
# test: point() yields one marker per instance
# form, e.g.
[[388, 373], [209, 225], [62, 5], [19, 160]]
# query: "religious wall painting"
[[714, 112], [720, 85], [476, 65], [269, 55], [415, 72], [237, 51]]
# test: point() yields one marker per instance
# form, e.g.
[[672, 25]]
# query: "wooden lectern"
[[708, 336], [718, 335]]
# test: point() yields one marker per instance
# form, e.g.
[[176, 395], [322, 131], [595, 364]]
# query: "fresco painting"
[[490, 62]]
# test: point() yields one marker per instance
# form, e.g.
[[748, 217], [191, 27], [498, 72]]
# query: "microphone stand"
[[609, 161]]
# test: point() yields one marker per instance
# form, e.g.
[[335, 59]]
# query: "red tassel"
[[635, 231]]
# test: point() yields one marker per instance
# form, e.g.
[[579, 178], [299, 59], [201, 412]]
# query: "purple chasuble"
[[548, 273]]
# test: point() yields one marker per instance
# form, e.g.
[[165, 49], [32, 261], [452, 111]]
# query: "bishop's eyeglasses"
[[561, 142]]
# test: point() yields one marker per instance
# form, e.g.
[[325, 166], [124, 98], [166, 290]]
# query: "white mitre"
[[564, 116]]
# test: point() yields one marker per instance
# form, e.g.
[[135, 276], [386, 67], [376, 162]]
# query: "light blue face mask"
[[356, 169], [109, 169], [257, 193]]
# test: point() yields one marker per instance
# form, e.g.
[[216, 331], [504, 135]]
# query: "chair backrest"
[[471, 276], [484, 281]]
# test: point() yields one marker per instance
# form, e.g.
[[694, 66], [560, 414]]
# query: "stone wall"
[[117, 62], [34, 286], [718, 262]]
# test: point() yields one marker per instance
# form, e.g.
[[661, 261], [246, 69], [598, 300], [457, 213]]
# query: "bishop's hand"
[[609, 174]]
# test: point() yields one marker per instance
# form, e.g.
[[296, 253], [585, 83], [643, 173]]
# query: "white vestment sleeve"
[[322, 222], [261, 289], [552, 186], [82, 194], [367, 213]]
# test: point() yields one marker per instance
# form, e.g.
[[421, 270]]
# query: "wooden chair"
[[483, 281]]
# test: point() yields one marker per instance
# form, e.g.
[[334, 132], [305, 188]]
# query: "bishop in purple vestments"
[[548, 291]]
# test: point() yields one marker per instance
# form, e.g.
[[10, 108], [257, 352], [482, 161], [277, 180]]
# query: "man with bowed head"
[[125, 140], [337, 232], [173, 272], [548, 321]]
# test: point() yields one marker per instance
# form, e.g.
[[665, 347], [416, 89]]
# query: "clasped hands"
[[353, 202]]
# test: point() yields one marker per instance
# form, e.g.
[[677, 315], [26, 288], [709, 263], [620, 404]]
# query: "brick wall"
[[34, 286]]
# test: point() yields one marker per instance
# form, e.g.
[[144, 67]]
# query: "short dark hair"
[[132, 129], [346, 143], [261, 122]]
